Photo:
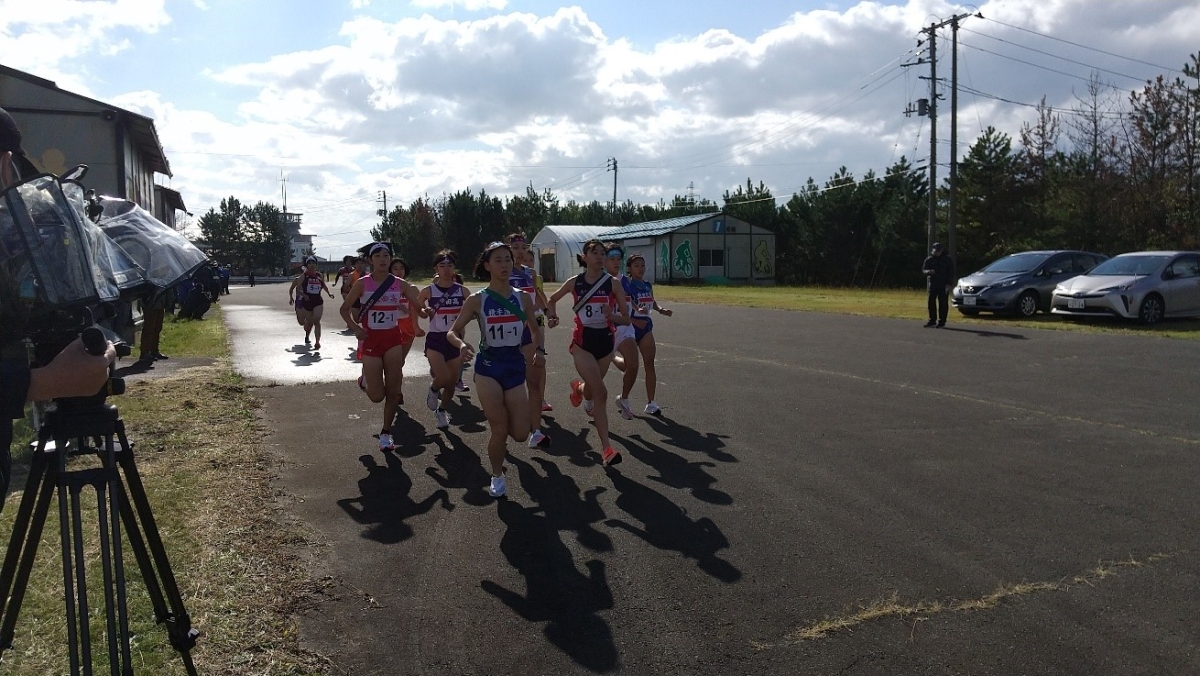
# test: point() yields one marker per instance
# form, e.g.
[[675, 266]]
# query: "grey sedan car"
[[1020, 283], [1146, 285]]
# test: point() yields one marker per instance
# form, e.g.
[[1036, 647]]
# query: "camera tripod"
[[93, 428]]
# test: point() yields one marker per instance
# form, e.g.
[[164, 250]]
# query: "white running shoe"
[[588, 406], [498, 489], [653, 409], [432, 398], [460, 386], [362, 383], [623, 407], [443, 418], [385, 442], [538, 439]]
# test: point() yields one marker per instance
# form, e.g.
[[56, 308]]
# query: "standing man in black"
[[939, 271]]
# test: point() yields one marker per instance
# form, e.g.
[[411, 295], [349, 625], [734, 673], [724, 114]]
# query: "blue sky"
[[428, 97]]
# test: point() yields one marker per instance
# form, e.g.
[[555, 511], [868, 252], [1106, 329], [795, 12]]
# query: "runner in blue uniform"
[[503, 314]]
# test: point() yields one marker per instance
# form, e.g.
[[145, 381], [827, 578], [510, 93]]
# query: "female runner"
[[596, 293], [443, 299], [311, 283], [502, 313], [642, 298], [376, 323], [626, 358], [524, 277]]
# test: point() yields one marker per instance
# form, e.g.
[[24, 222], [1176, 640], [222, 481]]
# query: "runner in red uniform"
[[376, 323]]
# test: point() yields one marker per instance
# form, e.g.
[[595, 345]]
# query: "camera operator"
[[74, 372]]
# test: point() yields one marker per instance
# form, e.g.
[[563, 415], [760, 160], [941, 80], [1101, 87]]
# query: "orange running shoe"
[[576, 392], [610, 456]]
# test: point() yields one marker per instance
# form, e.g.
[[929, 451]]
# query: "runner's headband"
[[614, 252], [378, 246], [516, 238], [444, 258]]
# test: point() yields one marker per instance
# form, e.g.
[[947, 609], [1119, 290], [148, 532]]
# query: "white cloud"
[[423, 106], [469, 5]]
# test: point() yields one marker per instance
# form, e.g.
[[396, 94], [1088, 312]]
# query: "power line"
[[1027, 63], [1076, 44], [1053, 109], [1053, 56]]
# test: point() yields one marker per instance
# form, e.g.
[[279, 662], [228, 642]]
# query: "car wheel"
[[1027, 304], [1152, 310]]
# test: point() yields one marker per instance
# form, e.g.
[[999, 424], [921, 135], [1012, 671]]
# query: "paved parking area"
[[1000, 501]]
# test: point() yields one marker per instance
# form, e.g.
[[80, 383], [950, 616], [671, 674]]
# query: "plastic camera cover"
[[165, 256], [41, 245], [115, 270]]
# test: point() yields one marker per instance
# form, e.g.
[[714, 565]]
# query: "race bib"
[[313, 287], [503, 330], [381, 320]]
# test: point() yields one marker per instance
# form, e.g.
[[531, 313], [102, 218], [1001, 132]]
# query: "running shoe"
[[576, 392], [588, 406], [623, 407], [653, 409], [317, 345], [498, 489], [546, 406], [443, 419], [609, 456], [432, 397], [362, 383], [385, 442], [539, 439], [460, 386]]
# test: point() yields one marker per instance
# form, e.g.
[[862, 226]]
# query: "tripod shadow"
[[667, 526], [676, 471], [557, 593], [560, 500], [688, 439], [462, 468], [384, 502]]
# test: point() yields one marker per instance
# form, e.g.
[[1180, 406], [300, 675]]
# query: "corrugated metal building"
[[699, 247]]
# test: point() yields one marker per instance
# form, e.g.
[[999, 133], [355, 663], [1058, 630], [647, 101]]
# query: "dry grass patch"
[[892, 606]]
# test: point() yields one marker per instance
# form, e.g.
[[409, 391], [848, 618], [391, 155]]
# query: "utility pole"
[[931, 235], [931, 35], [612, 166], [384, 213]]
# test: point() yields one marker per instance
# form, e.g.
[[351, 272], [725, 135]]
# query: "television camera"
[[60, 272]]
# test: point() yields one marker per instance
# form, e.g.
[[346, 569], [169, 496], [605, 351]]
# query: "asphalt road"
[[808, 466]]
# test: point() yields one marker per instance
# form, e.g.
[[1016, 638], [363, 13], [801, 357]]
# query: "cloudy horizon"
[[431, 97]]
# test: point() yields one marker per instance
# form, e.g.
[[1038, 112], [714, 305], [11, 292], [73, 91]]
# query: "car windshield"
[[1129, 265], [1017, 263]]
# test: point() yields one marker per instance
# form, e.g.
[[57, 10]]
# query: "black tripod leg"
[[179, 624], [64, 528], [23, 544], [107, 543], [116, 499]]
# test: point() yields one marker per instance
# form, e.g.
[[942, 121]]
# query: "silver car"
[[1146, 285], [1020, 283]]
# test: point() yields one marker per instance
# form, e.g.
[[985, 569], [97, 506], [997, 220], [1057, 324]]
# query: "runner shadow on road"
[[557, 593], [688, 439], [559, 498], [384, 502], [569, 444], [409, 435], [463, 469], [667, 526], [676, 471]]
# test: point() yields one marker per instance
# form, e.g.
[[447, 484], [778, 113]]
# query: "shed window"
[[712, 258]]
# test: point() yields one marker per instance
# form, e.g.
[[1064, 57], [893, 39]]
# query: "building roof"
[[170, 198], [568, 233], [655, 228], [141, 128]]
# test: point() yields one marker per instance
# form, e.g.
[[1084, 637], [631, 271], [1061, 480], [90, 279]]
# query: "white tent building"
[[556, 247]]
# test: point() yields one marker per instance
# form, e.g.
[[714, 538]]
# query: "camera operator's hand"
[[74, 372]]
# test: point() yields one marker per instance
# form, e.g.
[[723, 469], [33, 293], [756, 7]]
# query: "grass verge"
[[899, 304], [197, 443]]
